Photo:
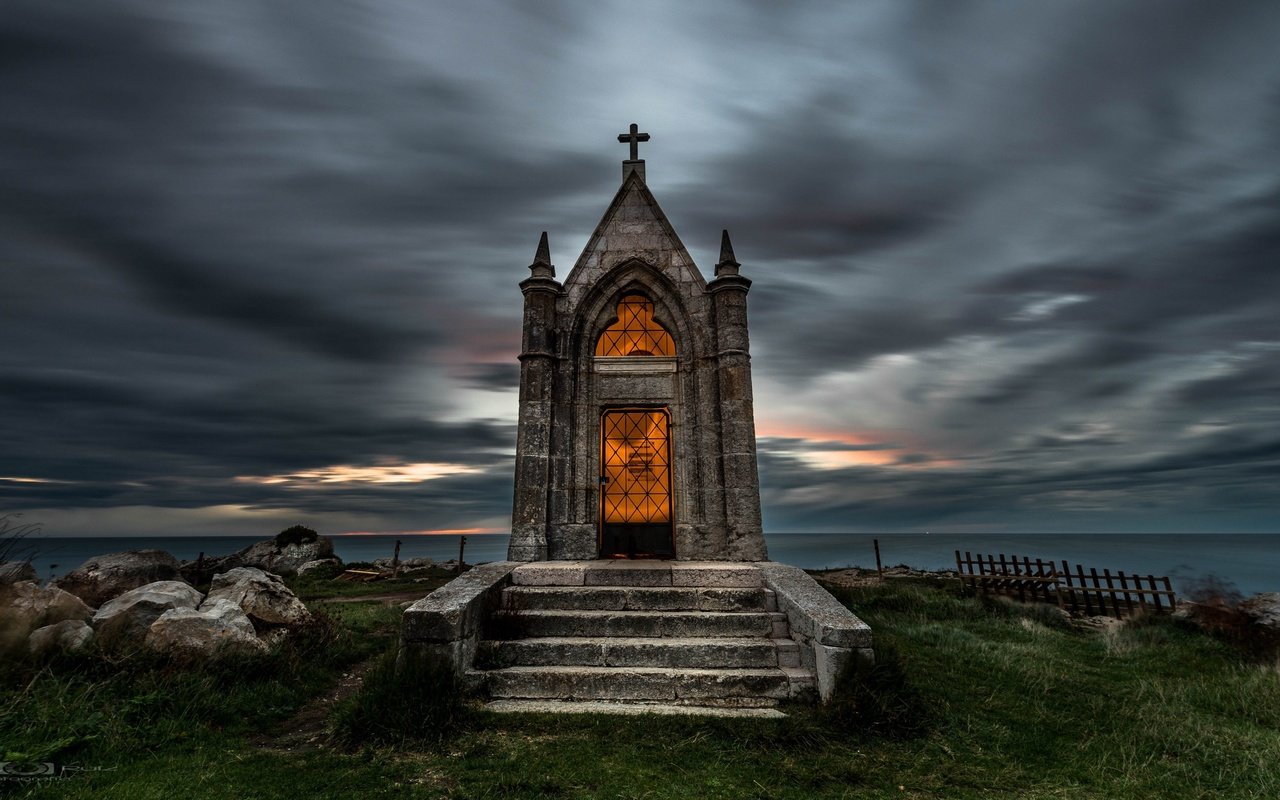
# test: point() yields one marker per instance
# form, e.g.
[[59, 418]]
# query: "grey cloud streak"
[[1018, 262]]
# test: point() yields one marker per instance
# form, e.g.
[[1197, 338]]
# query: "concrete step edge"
[[653, 672], [648, 641], [626, 708]]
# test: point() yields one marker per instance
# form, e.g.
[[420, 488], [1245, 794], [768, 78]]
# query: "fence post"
[[1084, 589], [879, 569]]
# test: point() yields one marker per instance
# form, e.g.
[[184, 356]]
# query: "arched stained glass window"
[[636, 333]]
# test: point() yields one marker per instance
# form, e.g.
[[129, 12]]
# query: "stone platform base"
[[638, 636]]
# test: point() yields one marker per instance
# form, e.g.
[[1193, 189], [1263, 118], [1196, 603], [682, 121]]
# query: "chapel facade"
[[636, 427]]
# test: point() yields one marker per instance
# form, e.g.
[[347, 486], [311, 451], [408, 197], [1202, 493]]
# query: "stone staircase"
[[638, 637]]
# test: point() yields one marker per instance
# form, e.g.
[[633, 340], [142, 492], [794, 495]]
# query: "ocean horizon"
[[1248, 561]]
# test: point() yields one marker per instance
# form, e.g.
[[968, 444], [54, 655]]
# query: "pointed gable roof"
[[633, 227]]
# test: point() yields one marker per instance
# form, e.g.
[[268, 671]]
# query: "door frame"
[[602, 483]]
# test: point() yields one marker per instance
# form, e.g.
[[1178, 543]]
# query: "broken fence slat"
[[1109, 593]]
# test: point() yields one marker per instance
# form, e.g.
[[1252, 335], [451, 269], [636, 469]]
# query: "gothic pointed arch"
[[598, 309]]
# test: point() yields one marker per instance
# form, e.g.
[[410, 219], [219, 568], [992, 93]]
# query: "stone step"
[[636, 598], [686, 624], [746, 687], [741, 653], [626, 708], [707, 574]]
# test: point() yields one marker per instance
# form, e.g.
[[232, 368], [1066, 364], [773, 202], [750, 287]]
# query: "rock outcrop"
[[101, 578], [14, 571], [69, 635], [272, 555], [219, 627], [261, 595], [125, 620], [26, 606], [1263, 610], [319, 563], [406, 564]]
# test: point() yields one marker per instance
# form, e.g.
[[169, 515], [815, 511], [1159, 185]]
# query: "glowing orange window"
[[636, 333], [637, 466]]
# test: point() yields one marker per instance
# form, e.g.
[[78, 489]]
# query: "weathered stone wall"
[[828, 633], [448, 623], [707, 388]]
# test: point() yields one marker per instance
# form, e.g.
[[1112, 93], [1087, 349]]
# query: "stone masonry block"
[[788, 653], [628, 573], [811, 610], [736, 600], [549, 573], [828, 661], [715, 574], [456, 610], [659, 598]]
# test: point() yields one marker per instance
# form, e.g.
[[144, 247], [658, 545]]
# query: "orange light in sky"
[[437, 532], [347, 473], [859, 453]]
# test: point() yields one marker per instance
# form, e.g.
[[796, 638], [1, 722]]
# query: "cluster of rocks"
[[140, 599], [282, 557]]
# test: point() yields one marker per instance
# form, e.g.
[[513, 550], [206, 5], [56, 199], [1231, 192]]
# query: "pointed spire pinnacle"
[[541, 266], [726, 248], [543, 256], [727, 265]]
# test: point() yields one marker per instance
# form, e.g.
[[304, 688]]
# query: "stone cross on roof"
[[634, 139]]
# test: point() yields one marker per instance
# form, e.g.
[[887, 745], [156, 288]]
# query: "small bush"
[[418, 698], [875, 698], [296, 535], [1209, 589]]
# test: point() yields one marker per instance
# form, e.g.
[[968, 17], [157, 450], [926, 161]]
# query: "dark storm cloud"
[[1021, 258], [495, 377]]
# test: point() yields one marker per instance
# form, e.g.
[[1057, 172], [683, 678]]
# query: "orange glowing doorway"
[[635, 483]]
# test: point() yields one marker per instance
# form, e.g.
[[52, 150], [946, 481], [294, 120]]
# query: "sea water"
[[1250, 561]]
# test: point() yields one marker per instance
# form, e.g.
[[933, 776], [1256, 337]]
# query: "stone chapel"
[[636, 428], [636, 580]]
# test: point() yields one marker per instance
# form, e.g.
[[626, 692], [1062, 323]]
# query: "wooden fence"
[[1114, 594]]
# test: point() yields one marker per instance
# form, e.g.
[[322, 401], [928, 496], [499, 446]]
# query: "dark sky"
[[1016, 265]]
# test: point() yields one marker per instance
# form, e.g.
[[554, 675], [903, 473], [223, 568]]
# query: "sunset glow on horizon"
[[347, 473], [440, 532]]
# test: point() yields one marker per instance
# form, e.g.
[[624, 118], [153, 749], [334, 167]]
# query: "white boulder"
[[261, 595], [126, 619], [1263, 610], [69, 635], [14, 571], [103, 577], [26, 606], [317, 564], [218, 627]]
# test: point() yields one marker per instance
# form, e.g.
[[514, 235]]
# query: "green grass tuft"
[[406, 698], [875, 698]]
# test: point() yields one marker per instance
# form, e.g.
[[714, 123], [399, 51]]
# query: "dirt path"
[[307, 729], [386, 599]]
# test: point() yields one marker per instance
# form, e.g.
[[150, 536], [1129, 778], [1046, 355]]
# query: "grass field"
[[1013, 702]]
